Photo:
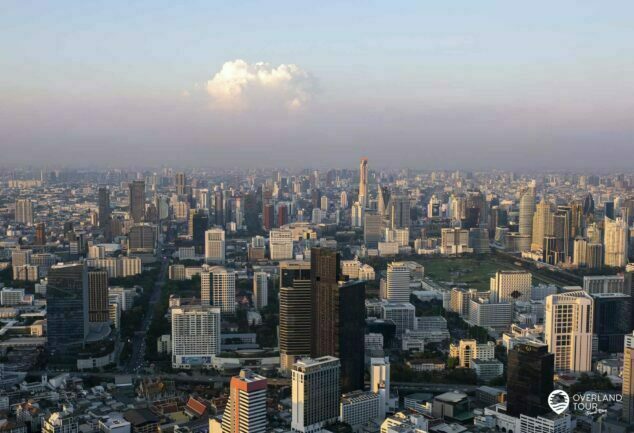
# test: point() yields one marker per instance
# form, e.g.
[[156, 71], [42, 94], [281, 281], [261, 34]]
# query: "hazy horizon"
[[410, 84]]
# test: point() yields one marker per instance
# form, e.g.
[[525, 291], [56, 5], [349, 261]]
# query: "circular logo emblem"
[[558, 401]]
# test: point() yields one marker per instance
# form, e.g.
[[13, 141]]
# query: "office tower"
[[315, 393], [246, 407], [363, 183], [475, 209], [527, 209], [180, 181], [200, 224], [67, 311], [219, 208], [295, 312], [268, 217], [98, 309], [104, 208], [281, 244], [372, 229], [338, 317], [433, 207], [24, 211], [357, 215], [615, 242], [260, 289], [324, 203], [218, 288], [612, 318], [137, 200], [509, 286], [541, 225], [343, 200], [568, 330], [397, 288], [282, 215], [530, 372], [399, 212], [380, 382], [454, 241], [215, 245], [195, 335], [628, 379], [142, 239], [383, 199], [40, 234], [594, 256], [580, 252]]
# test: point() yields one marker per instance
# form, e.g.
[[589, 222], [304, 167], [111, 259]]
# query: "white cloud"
[[240, 85]]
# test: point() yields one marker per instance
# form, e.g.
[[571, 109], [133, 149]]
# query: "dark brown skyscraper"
[[295, 312], [268, 217], [137, 200], [40, 234], [180, 182], [98, 308], [104, 208], [338, 317], [529, 379]]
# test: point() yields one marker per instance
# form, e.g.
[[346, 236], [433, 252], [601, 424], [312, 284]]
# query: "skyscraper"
[[195, 335], [398, 277], [218, 288], [200, 224], [98, 307], [338, 317], [137, 200], [527, 209], [363, 183], [399, 212], [530, 372], [508, 286], [615, 241], [246, 407], [24, 211], [40, 234], [295, 312], [612, 316], [215, 245], [568, 330], [541, 225], [628, 379], [380, 381], [67, 311], [315, 393], [180, 182], [260, 289], [104, 208]]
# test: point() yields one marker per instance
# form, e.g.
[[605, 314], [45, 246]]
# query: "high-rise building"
[[568, 330], [338, 317], [615, 242], [399, 212], [180, 181], [195, 335], [541, 225], [315, 393], [363, 183], [628, 379], [67, 311], [215, 245], [530, 372], [380, 382], [612, 316], [397, 287], [246, 407], [142, 239], [357, 215], [268, 216], [372, 229], [199, 224], [104, 207], [260, 289], [98, 308], [40, 234], [137, 200], [218, 288], [527, 209], [219, 208], [24, 211], [281, 244], [508, 286], [295, 312]]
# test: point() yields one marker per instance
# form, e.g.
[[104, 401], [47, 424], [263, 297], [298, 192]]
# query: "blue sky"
[[487, 74]]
